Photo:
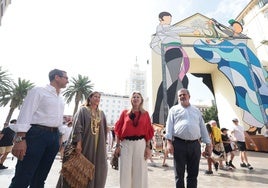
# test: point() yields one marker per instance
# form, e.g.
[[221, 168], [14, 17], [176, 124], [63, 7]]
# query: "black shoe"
[[243, 165], [208, 172], [231, 164], [216, 165], [249, 167], [2, 167]]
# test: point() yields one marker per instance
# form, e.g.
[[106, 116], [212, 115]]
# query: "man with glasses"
[[185, 128], [37, 136]]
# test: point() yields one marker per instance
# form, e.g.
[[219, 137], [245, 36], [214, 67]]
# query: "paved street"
[[161, 177]]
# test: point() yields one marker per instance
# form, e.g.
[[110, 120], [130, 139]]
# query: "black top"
[[7, 139], [225, 138]]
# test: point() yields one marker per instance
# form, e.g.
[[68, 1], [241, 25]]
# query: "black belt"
[[50, 129], [186, 141], [134, 137]]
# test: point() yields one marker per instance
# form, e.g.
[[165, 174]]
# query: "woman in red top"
[[133, 134]]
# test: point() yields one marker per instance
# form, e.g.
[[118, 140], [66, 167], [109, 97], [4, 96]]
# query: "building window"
[[242, 22]]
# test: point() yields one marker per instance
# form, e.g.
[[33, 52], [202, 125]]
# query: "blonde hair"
[[141, 109]]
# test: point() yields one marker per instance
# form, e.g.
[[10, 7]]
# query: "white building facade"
[[138, 82], [112, 105]]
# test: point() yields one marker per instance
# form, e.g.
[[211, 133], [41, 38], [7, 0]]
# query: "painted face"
[[237, 28], [166, 20], [183, 98]]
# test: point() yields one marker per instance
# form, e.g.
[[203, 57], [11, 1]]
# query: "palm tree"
[[16, 96], [5, 81], [79, 88]]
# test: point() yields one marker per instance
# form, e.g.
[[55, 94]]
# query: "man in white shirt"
[[37, 136], [185, 129], [238, 133]]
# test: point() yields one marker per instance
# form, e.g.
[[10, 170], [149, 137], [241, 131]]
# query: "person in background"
[[6, 143], [184, 129], [152, 163], [165, 151], [134, 132], [218, 153], [37, 135], [239, 134], [227, 147], [110, 140], [89, 135], [157, 141], [65, 130], [205, 154]]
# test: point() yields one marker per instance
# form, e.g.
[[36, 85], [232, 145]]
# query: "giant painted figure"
[[243, 69], [167, 43], [234, 59]]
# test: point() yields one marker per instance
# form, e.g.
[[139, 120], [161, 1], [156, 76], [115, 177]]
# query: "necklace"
[[135, 120], [95, 118]]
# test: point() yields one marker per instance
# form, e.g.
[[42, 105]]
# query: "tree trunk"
[[11, 110]]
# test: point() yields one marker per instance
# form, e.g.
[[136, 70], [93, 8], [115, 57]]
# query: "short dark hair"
[[55, 72], [209, 129], [13, 121], [184, 89], [162, 14]]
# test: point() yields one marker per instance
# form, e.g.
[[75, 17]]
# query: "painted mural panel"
[[167, 43], [216, 44]]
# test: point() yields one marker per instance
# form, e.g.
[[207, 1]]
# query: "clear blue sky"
[[99, 39]]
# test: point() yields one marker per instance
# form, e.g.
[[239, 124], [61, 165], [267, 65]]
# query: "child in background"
[[227, 147]]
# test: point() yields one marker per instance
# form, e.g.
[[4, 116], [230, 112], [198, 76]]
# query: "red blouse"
[[125, 126]]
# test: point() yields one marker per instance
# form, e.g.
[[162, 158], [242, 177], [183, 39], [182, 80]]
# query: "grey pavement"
[[163, 177]]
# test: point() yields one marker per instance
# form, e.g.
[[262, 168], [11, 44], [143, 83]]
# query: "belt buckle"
[[53, 129]]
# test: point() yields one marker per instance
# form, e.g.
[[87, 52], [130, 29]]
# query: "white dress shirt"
[[42, 106], [186, 123]]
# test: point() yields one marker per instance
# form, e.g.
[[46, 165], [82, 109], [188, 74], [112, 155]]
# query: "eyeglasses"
[[183, 94], [64, 77]]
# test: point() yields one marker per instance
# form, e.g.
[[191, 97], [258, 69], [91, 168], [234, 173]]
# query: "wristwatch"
[[19, 139]]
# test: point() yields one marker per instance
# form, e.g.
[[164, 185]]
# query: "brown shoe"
[[164, 165]]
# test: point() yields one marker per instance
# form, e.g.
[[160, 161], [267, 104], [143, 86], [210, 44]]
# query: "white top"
[[41, 106], [238, 133], [66, 131]]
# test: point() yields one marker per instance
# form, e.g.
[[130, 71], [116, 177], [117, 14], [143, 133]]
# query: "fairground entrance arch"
[[223, 56]]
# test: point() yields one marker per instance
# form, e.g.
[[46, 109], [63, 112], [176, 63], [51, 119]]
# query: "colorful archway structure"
[[223, 56]]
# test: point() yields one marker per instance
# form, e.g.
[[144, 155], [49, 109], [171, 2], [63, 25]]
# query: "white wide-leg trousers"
[[132, 165]]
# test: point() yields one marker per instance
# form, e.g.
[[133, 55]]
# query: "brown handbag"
[[114, 161], [76, 170]]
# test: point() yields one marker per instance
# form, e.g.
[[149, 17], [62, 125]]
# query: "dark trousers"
[[42, 147], [186, 155]]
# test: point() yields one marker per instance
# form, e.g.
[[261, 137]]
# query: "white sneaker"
[[152, 164]]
